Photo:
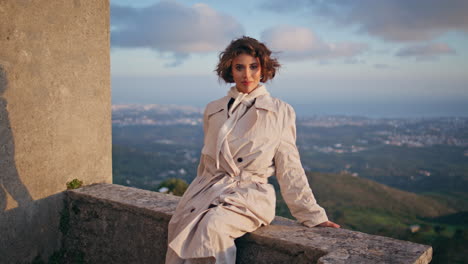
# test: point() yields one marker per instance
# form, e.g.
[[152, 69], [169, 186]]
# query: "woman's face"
[[246, 72]]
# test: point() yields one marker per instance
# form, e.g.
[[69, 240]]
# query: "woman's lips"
[[246, 83]]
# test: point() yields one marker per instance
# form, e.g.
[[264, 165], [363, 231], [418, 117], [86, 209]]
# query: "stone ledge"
[[120, 224]]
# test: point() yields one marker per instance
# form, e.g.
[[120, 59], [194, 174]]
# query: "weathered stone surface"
[[55, 116], [340, 245], [118, 224], [134, 200]]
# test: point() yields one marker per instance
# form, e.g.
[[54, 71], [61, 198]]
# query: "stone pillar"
[[55, 116]]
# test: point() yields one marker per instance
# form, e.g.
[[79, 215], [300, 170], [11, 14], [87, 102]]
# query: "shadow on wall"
[[25, 231], [9, 178], [12, 221]]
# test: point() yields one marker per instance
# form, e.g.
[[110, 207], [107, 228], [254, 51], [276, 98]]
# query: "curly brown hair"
[[252, 47]]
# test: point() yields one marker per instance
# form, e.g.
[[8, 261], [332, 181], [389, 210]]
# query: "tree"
[[173, 186]]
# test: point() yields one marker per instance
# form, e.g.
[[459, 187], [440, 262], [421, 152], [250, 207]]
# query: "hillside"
[[365, 205], [343, 190]]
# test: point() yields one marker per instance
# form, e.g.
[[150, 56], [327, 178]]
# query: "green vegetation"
[[370, 207], [147, 169], [174, 186], [74, 184]]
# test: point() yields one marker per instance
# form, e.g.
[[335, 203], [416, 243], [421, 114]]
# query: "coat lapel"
[[254, 116], [218, 105], [216, 115], [265, 102]]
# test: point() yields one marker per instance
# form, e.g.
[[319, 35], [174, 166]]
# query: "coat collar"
[[265, 102], [262, 102], [218, 105]]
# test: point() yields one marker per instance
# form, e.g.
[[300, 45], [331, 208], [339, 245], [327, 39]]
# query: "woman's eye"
[[239, 68], [253, 67]]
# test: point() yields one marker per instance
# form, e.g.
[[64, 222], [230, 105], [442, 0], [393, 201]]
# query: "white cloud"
[[299, 43], [170, 27]]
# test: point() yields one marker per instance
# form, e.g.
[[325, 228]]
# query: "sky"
[[386, 58]]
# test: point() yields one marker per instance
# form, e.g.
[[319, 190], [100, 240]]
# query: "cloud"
[[299, 43], [285, 6], [170, 27], [391, 20], [427, 51]]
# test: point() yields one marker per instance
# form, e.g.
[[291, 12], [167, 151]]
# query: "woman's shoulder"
[[216, 105], [274, 104]]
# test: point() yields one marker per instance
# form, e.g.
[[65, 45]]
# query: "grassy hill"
[[344, 190], [367, 206], [351, 199]]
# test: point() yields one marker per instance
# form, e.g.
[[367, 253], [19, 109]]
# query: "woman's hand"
[[329, 224]]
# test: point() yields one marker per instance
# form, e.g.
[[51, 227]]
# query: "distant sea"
[[395, 110], [191, 91], [410, 108]]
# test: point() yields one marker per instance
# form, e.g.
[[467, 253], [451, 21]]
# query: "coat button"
[[239, 159]]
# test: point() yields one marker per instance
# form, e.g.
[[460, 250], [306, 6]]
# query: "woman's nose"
[[247, 72]]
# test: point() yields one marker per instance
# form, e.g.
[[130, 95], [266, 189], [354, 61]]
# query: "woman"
[[249, 136]]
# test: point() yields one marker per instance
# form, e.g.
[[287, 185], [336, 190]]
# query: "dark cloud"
[[170, 27], [427, 51], [392, 20], [299, 43]]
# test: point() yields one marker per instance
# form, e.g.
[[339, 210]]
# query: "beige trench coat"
[[219, 206]]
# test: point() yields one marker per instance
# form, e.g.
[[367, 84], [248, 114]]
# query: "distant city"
[[409, 132]]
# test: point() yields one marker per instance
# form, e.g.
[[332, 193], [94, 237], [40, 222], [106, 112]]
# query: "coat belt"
[[249, 176]]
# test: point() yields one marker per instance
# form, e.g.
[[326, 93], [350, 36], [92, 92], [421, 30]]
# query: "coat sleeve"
[[201, 165], [292, 179]]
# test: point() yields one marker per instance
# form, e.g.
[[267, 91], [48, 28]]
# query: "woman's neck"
[[247, 92]]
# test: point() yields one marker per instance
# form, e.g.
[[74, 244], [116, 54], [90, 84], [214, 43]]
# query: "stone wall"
[[55, 115], [109, 223]]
